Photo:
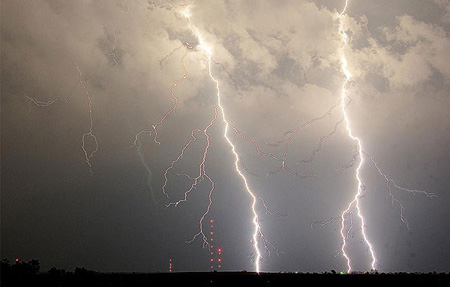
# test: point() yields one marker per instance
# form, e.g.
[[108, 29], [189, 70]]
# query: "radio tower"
[[215, 259]]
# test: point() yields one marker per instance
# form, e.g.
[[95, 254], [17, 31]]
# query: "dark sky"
[[278, 65]]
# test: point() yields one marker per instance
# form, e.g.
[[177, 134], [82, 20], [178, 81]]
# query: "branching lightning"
[[355, 203], [154, 130], [88, 154], [257, 229], [346, 218], [286, 140], [202, 170], [89, 134], [358, 155], [316, 150], [391, 183]]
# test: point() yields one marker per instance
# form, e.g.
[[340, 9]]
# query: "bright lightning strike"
[[202, 172], [355, 203], [257, 229]]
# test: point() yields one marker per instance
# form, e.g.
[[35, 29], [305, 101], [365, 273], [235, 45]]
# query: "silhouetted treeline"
[[21, 273]]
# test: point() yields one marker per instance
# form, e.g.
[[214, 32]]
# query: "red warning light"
[[170, 265]]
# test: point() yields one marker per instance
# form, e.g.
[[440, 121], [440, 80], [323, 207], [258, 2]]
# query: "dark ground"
[[27, 274]]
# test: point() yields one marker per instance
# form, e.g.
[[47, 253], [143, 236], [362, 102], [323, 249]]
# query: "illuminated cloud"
[[278, 65]]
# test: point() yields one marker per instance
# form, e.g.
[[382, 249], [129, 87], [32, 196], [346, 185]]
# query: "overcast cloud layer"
[[278, 66]]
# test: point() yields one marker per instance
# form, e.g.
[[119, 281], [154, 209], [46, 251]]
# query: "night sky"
[[278, 66]]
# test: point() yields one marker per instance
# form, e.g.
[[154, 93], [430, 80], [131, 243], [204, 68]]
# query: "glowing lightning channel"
[[257, 229], [90, 134], [390, 182], [355, 202], [154, 129]]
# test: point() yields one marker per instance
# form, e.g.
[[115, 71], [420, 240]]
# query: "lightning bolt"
[[355, 203], [287, 139], [89, 134], [346, 217], [202, 170], [113, 49], [147, 168], [316, 150], [257, 228], [169, 112], [390, 182]]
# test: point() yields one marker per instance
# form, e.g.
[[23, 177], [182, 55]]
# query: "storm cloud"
[[279, 66]]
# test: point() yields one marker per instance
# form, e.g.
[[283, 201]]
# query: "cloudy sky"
[[103, 69]]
